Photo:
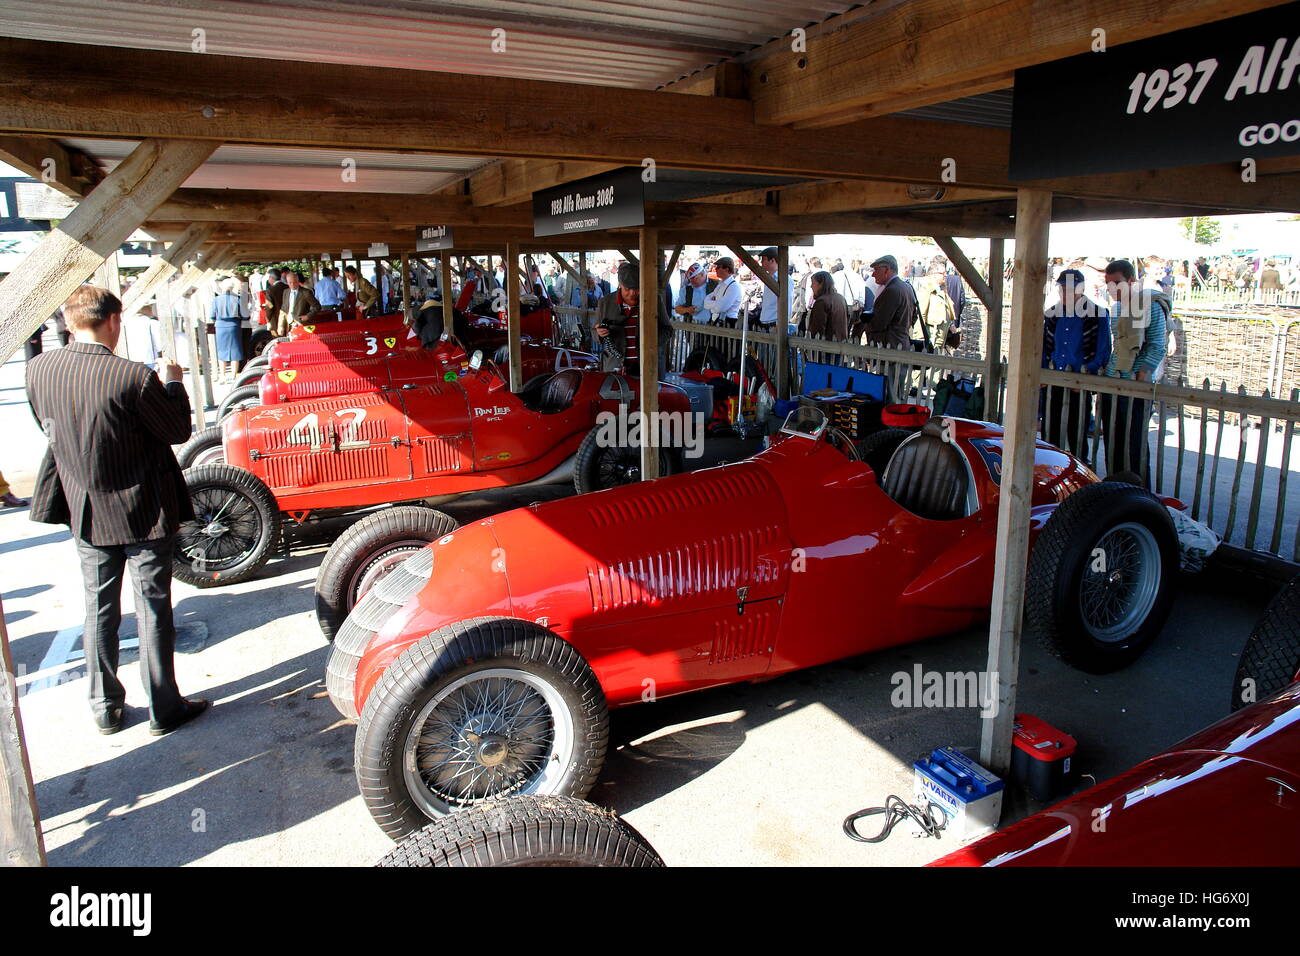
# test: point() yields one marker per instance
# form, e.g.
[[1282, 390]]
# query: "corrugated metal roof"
[[601, 42], [982, 109], [273, 167]]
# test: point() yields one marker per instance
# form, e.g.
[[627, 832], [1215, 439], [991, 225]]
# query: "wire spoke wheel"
[[226, 530], [493, 732], [1120, 582], [618, 466]]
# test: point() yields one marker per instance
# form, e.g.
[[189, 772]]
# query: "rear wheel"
[[248, 396], [878, 447], [1270, 660], [484, 708], [1101, 576], [203, 448], [599, 465], [236, 527], [367, 553], [526, 831]]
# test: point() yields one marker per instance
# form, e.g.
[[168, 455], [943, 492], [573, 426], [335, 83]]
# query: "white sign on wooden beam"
[[40, 201], [377, 250]]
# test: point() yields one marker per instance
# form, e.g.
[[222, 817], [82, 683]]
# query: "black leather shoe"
[[190, 710], [109, 722]]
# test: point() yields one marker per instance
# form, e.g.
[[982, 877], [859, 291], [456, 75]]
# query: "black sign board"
[[612, 200], [431, 238], [1222, 92]]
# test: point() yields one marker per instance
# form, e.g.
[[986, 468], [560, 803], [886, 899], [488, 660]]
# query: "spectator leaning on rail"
[[689, 305], [109, 473], [829, 316], [771, 306], [723, 302], [1139, 331], [1076, 338], [614, 313]]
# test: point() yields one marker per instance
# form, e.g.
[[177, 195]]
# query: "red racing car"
[[486, 663], [351, 451]]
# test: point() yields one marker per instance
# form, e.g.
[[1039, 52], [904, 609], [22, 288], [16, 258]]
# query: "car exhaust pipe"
[[560, 474]]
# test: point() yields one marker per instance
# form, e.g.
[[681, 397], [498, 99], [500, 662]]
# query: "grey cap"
[[886, 261]]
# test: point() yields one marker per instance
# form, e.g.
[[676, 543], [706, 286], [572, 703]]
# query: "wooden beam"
[[630, 256], [1033, 221], [993, 350], [966, 269], [21, 843], [782, 382], [849, 196], [759, 272], [70, 171], [448, 296], [275, 208], [930, 51], [511, 181], [513, 318], [166, 265], [648, 354], [93, 231]]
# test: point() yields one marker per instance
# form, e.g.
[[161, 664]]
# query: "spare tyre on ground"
[[1270, 661], [526, 831]]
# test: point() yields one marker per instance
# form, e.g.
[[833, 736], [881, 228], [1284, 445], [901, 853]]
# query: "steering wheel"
[[842, 443]]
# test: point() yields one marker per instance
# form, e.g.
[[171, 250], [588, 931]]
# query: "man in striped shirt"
[[1139, 325], [110, 474]]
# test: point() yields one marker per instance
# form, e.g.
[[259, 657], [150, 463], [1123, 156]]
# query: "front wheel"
[[235, 529], [526, 831], [259, 340], [247, 396], [484, 708], [367, 553], [600, 464], [1101, 576]]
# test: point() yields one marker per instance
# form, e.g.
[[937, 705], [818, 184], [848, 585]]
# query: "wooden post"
[[21, 843], [94, 230], [167, 265], [512, 316], [993, 372], [782, 382], [1033, 222], [448, 297], [648, 349]]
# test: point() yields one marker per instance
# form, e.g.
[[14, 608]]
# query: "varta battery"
[[971, 797]]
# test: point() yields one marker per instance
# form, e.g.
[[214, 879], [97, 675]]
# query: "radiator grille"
[[321, 468]]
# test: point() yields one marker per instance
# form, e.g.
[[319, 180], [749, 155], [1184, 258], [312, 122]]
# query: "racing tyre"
[[526, 831], [483, 708], [878, 447], [1101, 576], [236, 527], [247, 396], [598, 466], [203, 448], [259, 340], [704, 357], [1271, 658], [366, 553]]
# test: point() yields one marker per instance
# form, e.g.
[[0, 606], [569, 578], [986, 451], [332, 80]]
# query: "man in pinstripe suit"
[[110, 474]]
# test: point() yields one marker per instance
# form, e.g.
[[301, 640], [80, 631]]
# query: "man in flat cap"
[[889, 322], [616, 313]]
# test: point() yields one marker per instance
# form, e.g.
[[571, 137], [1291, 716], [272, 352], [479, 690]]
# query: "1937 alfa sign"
[[1222, 92]]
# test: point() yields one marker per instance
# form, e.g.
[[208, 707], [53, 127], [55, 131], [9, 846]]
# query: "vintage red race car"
[[486, 663], [414, 443]]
